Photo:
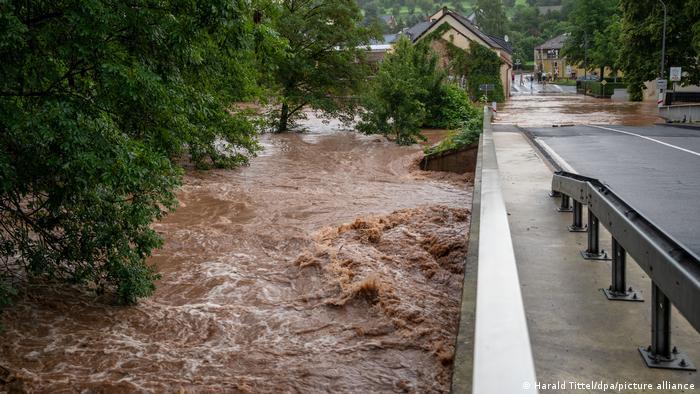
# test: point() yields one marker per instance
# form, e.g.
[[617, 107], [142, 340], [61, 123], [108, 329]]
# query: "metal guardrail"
[[674, 271], [502, 360]]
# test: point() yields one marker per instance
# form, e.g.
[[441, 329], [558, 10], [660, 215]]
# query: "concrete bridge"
[[584, 267]]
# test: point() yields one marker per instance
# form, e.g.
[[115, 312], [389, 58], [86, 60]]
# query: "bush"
[[450, 109], [467, 135]]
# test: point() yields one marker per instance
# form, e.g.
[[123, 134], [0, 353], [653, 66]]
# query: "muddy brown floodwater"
[[549, 109], [327, 265]]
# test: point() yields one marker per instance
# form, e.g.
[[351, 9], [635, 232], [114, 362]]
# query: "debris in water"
[[408, 267]]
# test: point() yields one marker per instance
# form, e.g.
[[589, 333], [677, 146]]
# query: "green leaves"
[[98, 98], [321, 66], [641, 38], [396, 103], [595, 34]]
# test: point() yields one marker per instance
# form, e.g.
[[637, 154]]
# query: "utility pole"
[[585, 55], [663, 45]]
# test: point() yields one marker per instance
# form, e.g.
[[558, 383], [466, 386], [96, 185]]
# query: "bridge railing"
[[674, 270]]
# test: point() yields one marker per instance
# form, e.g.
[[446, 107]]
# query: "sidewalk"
[[577, 335]]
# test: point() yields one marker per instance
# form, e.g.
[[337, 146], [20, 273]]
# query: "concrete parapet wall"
[[678, 113]]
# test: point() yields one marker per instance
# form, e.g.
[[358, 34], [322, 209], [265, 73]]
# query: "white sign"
[[568, 70], [661, 85], [675, 74]]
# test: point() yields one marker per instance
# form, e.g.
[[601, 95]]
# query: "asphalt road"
[[654, 169]]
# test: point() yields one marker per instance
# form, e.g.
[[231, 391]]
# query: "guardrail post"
[[577, 224], [564, 207], [594, 252], [618, 291], [660, 354]]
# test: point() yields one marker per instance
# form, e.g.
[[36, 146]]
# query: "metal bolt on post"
[[661, 354]]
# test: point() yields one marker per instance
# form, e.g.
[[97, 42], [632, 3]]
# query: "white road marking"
[[648, 138], [562, 163]]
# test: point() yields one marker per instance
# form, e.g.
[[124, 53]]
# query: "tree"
[[322, 63], [640, 50], [395, 104], [491, 17], [587, 18], [97, 98]]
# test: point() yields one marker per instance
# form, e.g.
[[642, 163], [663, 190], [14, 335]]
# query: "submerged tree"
[[96, 99], [322, 65]]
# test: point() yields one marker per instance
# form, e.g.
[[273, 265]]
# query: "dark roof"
[[418, 29], [506, 45], [554, 43]]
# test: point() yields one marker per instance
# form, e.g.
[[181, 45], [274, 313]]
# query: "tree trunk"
[[602, 73], [284, 119]]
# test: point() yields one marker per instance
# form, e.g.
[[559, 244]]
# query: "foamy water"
[[236, 312]]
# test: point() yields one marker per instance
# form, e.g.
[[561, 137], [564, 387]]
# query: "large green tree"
[[97, 99], [322, 64], [587, 45], [491, 17], [640, 50]]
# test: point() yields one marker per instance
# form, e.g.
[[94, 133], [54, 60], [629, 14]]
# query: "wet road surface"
[[655, 169]]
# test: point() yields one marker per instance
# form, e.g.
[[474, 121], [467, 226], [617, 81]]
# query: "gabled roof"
[[418, 30], [554, 43], [506, 45]]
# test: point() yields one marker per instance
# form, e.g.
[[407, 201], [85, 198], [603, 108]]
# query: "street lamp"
[[663, 45]]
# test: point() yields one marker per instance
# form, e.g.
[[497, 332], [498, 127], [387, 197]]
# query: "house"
[[462, 33], [377, 50], [550, 59]]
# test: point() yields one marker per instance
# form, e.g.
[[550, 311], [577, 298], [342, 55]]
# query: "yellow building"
[[462, 33], [549, 59]]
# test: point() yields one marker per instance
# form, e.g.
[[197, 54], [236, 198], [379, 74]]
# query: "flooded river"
[[330, 264]]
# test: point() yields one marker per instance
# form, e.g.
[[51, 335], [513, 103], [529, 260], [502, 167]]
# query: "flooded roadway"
[[330, 264], [560, 105]]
